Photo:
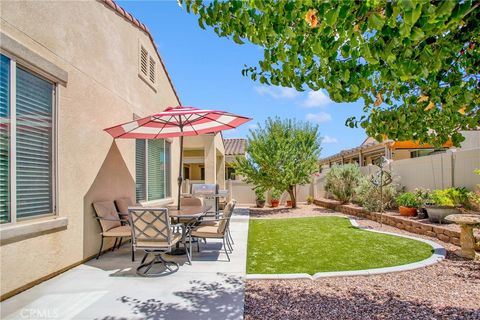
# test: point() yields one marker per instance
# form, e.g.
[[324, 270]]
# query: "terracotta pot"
[[274, 203], [407, 211], [289, 203]]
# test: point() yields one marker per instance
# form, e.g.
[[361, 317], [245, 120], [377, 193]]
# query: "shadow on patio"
[[203, 300]]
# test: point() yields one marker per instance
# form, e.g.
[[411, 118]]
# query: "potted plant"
[[260, 197], [407, 204], [275, 197], [443, 203], [309, 200]]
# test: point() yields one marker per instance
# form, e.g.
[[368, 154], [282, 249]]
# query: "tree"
[[280, 155], [414, 63]]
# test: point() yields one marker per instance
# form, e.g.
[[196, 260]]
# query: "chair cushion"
[[122, 231], [123, 204], [206, 232], [213, 223], [107, 210], [159, 244]]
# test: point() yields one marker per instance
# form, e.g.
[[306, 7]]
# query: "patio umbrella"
[[177, 122]]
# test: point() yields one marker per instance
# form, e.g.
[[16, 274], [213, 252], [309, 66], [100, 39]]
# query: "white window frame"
[[14, 63]]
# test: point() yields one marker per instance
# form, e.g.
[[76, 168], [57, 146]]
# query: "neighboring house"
[[66, 73], [371, 151], [233, 148]]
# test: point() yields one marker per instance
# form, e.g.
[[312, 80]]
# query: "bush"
[[260, 193], [276, 194], [408, 199], [450, 197], [342, 180], [368, 195]]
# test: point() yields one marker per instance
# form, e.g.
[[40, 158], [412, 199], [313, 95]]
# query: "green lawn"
[[311, 245]]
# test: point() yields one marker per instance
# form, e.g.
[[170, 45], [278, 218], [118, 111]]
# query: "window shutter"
[[152, 70], [4, 139], [34, 145], [156, 169], [140, 170], [143, 61]]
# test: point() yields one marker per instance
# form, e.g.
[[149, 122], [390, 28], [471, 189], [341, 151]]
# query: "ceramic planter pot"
[[407, 211], [260, 203], [438, 213], [275, 203]]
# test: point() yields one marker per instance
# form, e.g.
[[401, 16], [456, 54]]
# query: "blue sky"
[[206, 72]]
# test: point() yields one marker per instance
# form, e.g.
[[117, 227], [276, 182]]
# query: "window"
[[230, 173], [147, 67], [26, 175], [152, 167], [186, 172]]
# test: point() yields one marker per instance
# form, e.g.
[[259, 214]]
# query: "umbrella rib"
[[191, 125], [164, 124]]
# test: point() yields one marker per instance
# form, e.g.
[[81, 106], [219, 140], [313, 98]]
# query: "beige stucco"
[[99, 50]]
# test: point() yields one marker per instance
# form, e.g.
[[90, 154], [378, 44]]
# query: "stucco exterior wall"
[[99, 50]]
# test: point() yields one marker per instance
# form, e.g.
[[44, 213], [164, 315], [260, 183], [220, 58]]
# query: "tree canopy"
[[414, 63], [280, 155]]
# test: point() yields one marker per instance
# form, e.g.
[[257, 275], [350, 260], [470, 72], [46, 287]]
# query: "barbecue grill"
[[210, 194]]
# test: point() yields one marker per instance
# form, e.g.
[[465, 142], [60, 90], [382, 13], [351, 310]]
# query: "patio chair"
[[152, 233], [122, 205], [216, 229], [111, 224]]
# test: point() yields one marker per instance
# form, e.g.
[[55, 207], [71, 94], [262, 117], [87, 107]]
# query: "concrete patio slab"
[[109, 289]]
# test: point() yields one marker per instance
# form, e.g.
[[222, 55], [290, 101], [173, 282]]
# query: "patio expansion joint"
[[439, 253]]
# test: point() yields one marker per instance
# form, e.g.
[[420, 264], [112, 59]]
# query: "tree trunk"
[[292, 196]]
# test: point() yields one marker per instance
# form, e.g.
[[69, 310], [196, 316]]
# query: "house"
[[233, 148], [371, 151], [67, 72]]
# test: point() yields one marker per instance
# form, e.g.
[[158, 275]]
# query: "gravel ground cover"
[[446, 290]]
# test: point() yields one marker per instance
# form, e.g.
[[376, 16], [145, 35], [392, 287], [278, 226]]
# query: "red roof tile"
[[137, 23]]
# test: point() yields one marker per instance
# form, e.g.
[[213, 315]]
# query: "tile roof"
[[129, 17], [234, 146]]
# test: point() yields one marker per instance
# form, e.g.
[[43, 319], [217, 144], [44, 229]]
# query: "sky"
[[206, 72]]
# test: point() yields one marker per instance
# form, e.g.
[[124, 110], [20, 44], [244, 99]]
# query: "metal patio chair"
[[152, 233], [111, 224], [218, 229]]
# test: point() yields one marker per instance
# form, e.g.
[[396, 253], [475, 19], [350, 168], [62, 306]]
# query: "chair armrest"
[[177, 225]]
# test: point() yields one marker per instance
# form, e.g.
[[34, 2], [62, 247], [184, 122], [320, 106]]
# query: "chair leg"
[[188, 253], [119, 243], [230, 235], [226, 249], [229, 245], [115, 244], [133, 255], [198, 244], [144, 258], [101, 247]]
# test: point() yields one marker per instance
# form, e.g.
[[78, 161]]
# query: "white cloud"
[[318, 117], [277, 92], [316, 99], [328, 139]]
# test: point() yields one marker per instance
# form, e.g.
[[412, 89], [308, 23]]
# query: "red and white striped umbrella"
[[176, 122]]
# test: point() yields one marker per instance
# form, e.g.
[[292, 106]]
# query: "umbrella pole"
[[180, 173]]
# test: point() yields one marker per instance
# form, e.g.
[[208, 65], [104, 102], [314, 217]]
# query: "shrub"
[[408, 199], [260, 193], [276, 194], [368, 195], [342, 180], [450, 197], [423, 195], [310, 199]]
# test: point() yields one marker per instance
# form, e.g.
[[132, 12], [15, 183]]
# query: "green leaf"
[[376, 21]]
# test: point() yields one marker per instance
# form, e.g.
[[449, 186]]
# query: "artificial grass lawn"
[[319, 244]]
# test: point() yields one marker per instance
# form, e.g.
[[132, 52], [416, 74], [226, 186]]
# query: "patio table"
[[193, 213]]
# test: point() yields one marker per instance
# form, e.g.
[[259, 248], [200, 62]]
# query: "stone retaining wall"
[[441, 232]]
